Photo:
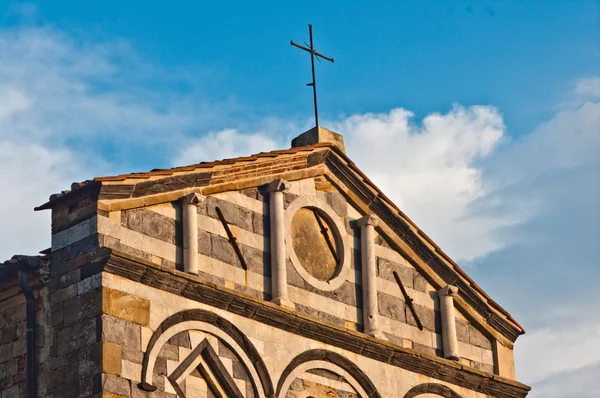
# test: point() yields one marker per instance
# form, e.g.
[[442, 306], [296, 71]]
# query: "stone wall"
[[13, 344], [163, 336], [154, 234]]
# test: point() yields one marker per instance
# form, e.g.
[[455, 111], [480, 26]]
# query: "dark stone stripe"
[[269, 314], [155, 225], [118, 191], [172, 184]]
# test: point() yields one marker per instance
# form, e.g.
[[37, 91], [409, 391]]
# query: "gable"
[[332, 176]]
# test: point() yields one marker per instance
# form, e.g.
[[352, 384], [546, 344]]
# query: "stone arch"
[[328, 360], [432, 388], [233, 338]]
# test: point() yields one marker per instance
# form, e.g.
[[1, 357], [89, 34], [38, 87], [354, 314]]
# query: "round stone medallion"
[[315, 243]]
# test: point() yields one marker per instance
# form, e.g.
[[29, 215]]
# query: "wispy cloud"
[[72, 108]]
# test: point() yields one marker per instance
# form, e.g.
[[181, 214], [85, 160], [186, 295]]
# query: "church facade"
[[285, 274]]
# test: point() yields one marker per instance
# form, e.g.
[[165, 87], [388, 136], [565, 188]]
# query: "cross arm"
[[311, 51]]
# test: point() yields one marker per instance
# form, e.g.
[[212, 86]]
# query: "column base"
[[284, 302], [375, 333]]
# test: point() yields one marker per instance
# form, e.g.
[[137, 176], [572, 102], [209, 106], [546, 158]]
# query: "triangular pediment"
[[330, 171]]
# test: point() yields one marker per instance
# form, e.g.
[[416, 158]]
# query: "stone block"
[[386, 268], [391, 307], [56, 378], [256, 260], [233, 214], [63, 294], [111, 358], [11, 392], [19, 347], [122, 332], [477, 338], [462, 331], [78, 232], [261, 224], [430, 319], [126, 306], [419, 283], [156, 225], [90, 283], [69, 278], [338, 203], [222, 250], [116, 385], [204, 245]]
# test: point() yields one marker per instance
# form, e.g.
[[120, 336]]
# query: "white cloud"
[[68, 108], [431, 170], [589, 87], [28, 173], [228, 143], [580, 383], [569, 340]]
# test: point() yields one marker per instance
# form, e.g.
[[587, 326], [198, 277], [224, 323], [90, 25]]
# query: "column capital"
[[278, 185], [193, 199], [369, 219], [449, 290]]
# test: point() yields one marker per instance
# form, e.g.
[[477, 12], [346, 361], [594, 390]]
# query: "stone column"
[[367, 226], [276, 190], [189, 214], [449, 338]]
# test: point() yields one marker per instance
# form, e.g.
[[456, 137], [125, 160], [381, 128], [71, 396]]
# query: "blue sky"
[[480, 119]]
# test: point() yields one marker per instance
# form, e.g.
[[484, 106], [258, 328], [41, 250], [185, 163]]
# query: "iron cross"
[[313, 54]]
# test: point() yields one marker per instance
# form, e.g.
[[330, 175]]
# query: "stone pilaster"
[[190, 232], [449, 338], [276, 190], [367, 226]]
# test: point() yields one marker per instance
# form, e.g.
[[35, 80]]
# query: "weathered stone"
[[482, 367], [56, 378], [222, 250], [204, 245], [116, 385], [169, 351], [462, 331], [155, 225], [256, 260], [111, 358], [419, 283], [181, 339], [477, 338], [64, 294], [391, 307], [297, 385], [337, 202], [19, 347], [386, 268], [233, 214], [424, 348], [126, 306], [122, 332], [261, 224], [11, 392]]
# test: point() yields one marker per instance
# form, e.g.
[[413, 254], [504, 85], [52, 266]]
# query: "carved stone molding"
[[203, 357], [331, 361], [432, 388]]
